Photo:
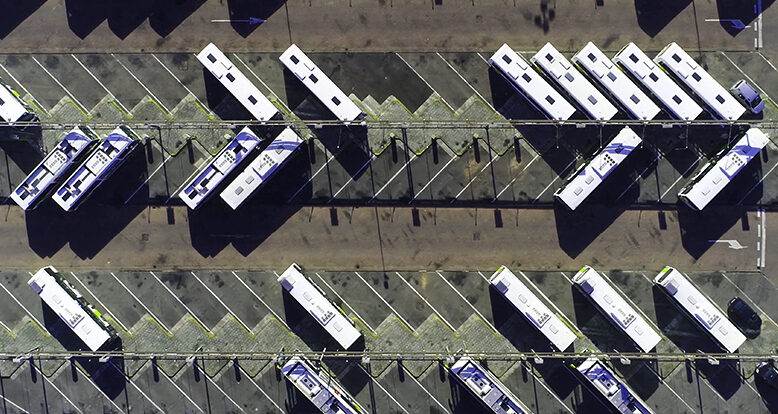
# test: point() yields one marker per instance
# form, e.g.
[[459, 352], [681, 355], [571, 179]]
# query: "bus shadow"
[[768, 394], [677, 326], [15, 12], [243, 13], [735, 15], [24, 153], [304, 325], [654, 15], [462, 399], [84, 16], [724, 378], [577, 229], [701, 229]]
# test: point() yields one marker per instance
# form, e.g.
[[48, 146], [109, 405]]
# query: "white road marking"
[[2, 285], [646, 277], [346, 303], [559, 312], [26, 91], [164, 375], [564, 173], [425, 81], [465, 81], [222, 303], [129, 381], [182, 303], [566, 277], [680, 177], [401, 169], [483, 276], [391, 397], [387, 304], [747, 297], [7, 329], [165, 159], [262, 301], [539, 380], [329, 158], [759, 10], [17, 405], [260, 389], [142, 85], [764, 236], [763, 57], [91, 381], [278, 98], [474, 177], [758, 183], [517, 176], [207, 378], [99, 302], [159, 321], [691, 410], [480, 315], [73, 97], [182, 84], [424, 389], [55, 387], [101, 85], [432, 179], [751, 81], [483, 58], [427, 302], [351, 177]]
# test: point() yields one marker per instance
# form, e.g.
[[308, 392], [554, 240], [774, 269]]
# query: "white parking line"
[[747, 297], [207, 378], [164, 375], [222, 303], [129, 381], [346, 303], [751, 81], [566, 277], [329, 158], [399, 316], [559, 312], [757, 185], [91, 381], [17, 405], [483, 58], [182, 303], [763, 57], [474, 177], [480, 315], [424, 389], [646, 277], [381, 387], [165, 159], [564, 173], [262, 82], [639, 176], [99, 302], [694, 164], [424, 80], [351, 177], [624, 295], [486, 279], [517, 176], [278, 318], [432, 179], [403, 168], [161, 104], [281, 410], [45, 378], [73, 97], [427, 302], [691, 410], [468, 83], [25, 309], [539, 380], [159, 321], [182, 84], [25, 90], [101, 85]]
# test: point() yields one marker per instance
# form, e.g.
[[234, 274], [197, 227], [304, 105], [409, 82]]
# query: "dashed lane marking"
[[159, 321]]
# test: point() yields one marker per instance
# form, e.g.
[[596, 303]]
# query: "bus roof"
[[620, 86], [612, 388], [318, 387], [487, 388], [595, 105], [11, 107], [529, 83]]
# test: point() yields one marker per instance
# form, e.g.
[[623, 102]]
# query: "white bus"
[[63, 298], [98, 167], [700, 309], [489, 390], [611, 388], [262, 168], [71, 150], [319, 387], [329, 316], [593, 172], [645, 71], [317, 82], [616, 309], [220, 166], [720, 170], [718, 100], [595, 105], [530, 84], [529, 306], [237, 83], [13, 110], [616, 82]]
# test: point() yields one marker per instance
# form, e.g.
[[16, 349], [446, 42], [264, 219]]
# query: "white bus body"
[[616, 82], [323, 311], [700, 308], [12, 109], [616, 309], [237, 83], [634, 61], [323, 391], [611, 388], [72, 149], [317, 82], [719, 171], [718, 100], [85, 321], [532, 308], [595, 105], [98, 167], [593, 172], [489, 390], [262, 168], [530, 84], [209, 177]]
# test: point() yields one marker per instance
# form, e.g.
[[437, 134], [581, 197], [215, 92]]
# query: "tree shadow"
[[242, 12], [84, 16], [654, 15], [15, 12], [735, 15]]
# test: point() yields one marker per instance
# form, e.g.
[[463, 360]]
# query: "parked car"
[[748, 96], [767, 372], [744, 317]]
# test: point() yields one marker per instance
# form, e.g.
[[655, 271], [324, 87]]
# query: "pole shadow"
[[654, 15], [724, 378], [243, 12], [735, 15]]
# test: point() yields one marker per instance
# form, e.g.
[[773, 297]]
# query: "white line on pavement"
[[345, 303], [91, 381], [181, 302], [99, 302], [159, 321], [73, 97], [480, 315], [222, 303], [566, 277], [764, 94], [401, 169], [207, 378], [101, 85], [763, 57], [129, 381], [281, 320], [646, 277], [387, 304], [764, 236], [691, 410], [165, 159], [351, 177], [517, 176], [329, 158], [424, 80], [260, 389], [749, 298], [758, 184], [25, 309], [45, 378], [563, 173], [486, 279], [17, 405], [465, 81], [423, 388], [25, 89], [164, 375], [427, 302], [376, 382], [182, 84], [432, 179], [262, 82], [680, 177], [559, 312], [539, 380], [474, 177], [161, 104]]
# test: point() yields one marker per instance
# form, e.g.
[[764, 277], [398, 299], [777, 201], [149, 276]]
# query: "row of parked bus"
[[87, 323]]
